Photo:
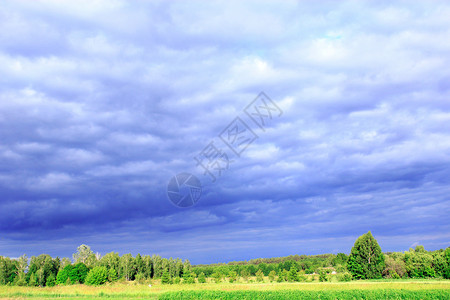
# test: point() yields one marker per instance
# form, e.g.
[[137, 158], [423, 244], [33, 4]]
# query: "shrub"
[[259, 276], [272, 275], [139, 277], [202, 278], [188, 278], [323, 276], [97, 276], [233, 276], [346, 276], [217, 277]]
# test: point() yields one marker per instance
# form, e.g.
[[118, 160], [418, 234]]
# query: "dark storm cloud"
[[102, 102]]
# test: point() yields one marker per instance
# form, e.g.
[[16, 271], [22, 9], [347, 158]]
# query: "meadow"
[[367, 289]]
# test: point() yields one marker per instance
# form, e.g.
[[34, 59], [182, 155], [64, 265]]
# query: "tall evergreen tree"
[[366, 260]]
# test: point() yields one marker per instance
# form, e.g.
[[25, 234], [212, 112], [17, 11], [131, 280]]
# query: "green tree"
[[139, 264], [188, 277], [42, 266], [419, 263], [217, 277], [112, 275], [84, 255], [22, 264], [245, 274], [110, 261], [272, 275], [157, 266], [395, 267], [293, 275], [446, 270], [97, 276], [340, 259], [323, 276], [65, 261], [283, 275], [6, 270], [78, 273], [33, 280], [232, 276], [260, 276], [127, 267], [165, 278], [366, 261], [51, 280], [63, 274], [201, 278]]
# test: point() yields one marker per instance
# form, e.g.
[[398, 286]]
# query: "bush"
[[323, 276], [259, 276], [232, 276], [217, 277], [97, 276], [188, 278], [139, 277], [272, 275], [346, 276], [201, 278]]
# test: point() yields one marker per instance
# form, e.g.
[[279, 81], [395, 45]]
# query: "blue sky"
[[103, 102]]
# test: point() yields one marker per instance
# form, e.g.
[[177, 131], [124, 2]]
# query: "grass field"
[[423, 289]]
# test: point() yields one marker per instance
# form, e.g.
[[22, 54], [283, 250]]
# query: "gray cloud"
[[102, 103]]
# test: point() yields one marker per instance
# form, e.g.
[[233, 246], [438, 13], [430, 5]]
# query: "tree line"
[[365, 261]]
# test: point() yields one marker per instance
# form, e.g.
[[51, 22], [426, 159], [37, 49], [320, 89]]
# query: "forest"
[[365, 261]]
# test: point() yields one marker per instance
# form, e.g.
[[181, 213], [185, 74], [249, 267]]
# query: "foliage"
[[112, 275], [165, 278], [202, 278], [395, 267], [188, 278], [260, 276], [217, 277], [43, 270], [346, 276], [97, 276], [84, 255], [272, 275], [232, 276], [293, 275], [366, 260], [127, 267], [75, 273], [51, 280], [323, 276]]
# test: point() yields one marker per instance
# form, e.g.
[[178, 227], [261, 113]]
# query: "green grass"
[[398, 289]]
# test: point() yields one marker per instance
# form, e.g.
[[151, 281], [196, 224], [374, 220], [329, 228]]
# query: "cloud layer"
[[102, 102]]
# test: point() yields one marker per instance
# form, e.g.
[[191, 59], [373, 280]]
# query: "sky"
[[304, 124]]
